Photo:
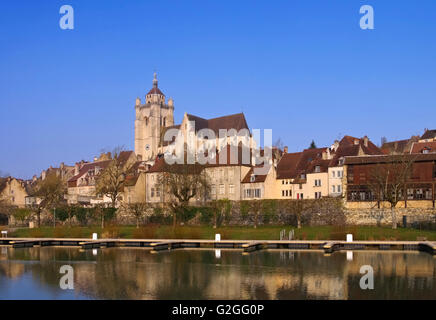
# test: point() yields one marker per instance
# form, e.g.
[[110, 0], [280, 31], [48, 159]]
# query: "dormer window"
[[303, 176], [341, 161], [252, 178], [317, 169]]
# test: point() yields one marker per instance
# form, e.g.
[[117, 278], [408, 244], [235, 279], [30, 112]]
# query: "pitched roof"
[[419, 147], [292, 165], [399, 146], [124, 156], [257, 178], [287, 166], [351, 146], [429, 134], [160, 165], [234, 121], [90, 166]]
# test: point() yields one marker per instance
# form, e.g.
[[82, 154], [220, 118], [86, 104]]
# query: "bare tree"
[[297, 207], [183, 182], [388, 181], [110, 181], [220, 208], [48, 194], [137, 209]]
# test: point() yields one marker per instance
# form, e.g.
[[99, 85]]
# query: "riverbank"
[[362, 233]]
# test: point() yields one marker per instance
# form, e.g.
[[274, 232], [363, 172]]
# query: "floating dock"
[[247, 246]]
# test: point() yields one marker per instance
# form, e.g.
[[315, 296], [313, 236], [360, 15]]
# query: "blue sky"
[[303, 68]]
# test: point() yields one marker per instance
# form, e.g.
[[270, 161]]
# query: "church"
[[156, 116]]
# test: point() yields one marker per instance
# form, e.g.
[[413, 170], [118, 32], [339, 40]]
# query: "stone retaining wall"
[[375, 216]]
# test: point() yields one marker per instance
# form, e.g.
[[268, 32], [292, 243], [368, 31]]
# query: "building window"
[[339, 188], [152, 192], [213, 189], [221, 189], [300, 186], [286, 193], [317, 169], [257, 193], [317, 195], [318, 183], [333, 188], [333, 172], [231, 189]]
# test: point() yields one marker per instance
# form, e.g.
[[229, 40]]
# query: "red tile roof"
[[293, 165], [257, 178], [89, 166], [429, 134], [155, 91], [419, 147], [234, 121], [348, 147]]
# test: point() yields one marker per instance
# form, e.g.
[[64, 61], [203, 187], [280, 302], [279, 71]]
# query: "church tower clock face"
[[147, 147]]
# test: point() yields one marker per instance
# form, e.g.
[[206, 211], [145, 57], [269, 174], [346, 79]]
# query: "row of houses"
[[340, 170]]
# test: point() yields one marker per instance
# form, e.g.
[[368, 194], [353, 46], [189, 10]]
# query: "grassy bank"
[[229, 233]]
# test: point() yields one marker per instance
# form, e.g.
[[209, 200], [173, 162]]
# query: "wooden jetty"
[[247, 246]]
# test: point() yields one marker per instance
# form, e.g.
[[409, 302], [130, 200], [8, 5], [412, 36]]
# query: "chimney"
[[34, 178], [285, 149], [365, 141], [43, 174], [62, 165], [76, 169]]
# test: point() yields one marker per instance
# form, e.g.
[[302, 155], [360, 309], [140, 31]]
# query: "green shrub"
[[206, 215]]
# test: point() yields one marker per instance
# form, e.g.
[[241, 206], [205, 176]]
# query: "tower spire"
[[155, 80]]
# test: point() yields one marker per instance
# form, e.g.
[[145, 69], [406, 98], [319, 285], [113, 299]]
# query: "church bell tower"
[[151, 118]]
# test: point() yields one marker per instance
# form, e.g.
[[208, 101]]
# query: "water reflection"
[[124, 273]]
